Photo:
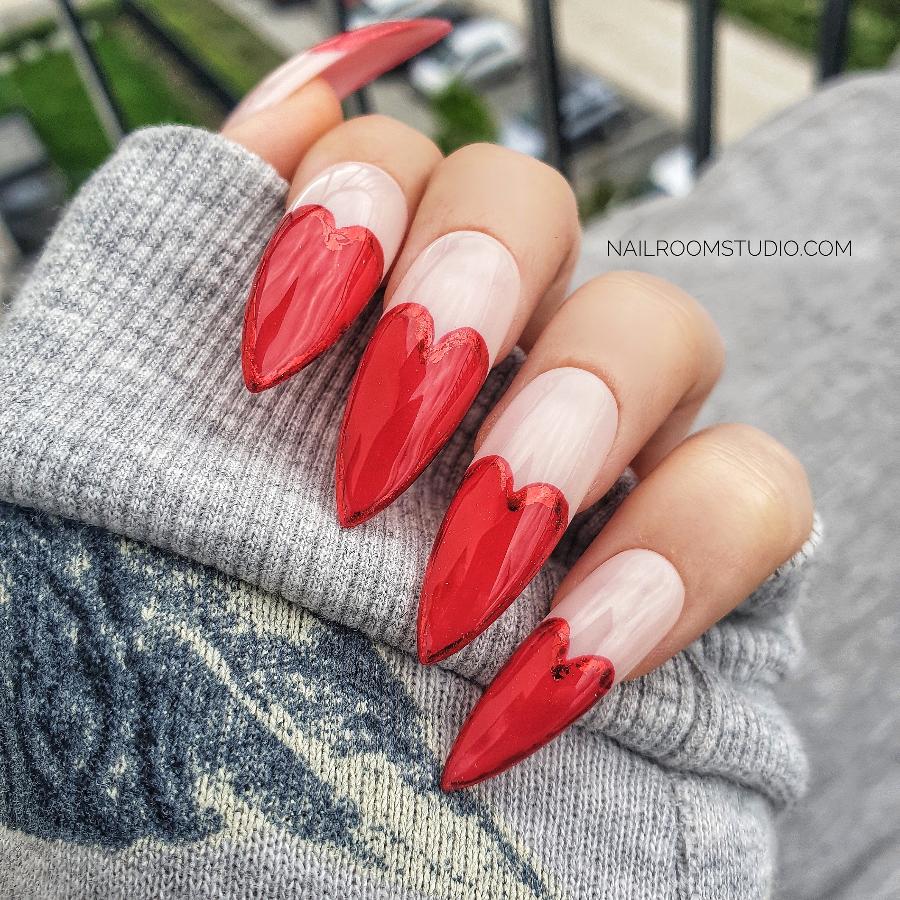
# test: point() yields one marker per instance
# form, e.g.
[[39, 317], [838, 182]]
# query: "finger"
[[495, 233], [348, 208], [708, 525], [726, 508], [623, 365], [282, 134], [277, 124], [655, 348]]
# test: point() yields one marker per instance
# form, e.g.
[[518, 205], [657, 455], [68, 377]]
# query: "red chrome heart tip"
[[492, 542], [536, 695], [408, 396], [312, 282]]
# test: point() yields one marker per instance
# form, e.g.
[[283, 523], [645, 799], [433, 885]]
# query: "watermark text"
[[737, 247]]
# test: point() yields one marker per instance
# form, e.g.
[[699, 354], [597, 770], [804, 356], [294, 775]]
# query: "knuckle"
[[770, 482], [507, 161], [664, 302], [479, 154], [378, 132], [482, 153]]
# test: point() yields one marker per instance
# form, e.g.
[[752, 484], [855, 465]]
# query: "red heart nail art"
[[408, 396], [536, 695], [312, 282], [491, 544]]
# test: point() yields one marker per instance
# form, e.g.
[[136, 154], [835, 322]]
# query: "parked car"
[[32, 189], [475, 53], [672, 172], [589, 109], [370, 11]]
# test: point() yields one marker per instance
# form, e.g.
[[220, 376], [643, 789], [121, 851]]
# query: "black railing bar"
[[543, 39], [703, 80], [151, 25], [834, 28], [358, 104], [95, 81]]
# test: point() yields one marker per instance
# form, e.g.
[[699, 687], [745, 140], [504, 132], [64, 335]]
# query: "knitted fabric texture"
[[208, 687]]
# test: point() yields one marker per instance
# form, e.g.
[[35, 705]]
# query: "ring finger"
[[616, 377]]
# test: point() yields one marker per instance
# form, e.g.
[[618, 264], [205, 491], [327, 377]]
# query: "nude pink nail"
[[526, 482], [346, 62], [623, 608], [427, 360], [589, 641]]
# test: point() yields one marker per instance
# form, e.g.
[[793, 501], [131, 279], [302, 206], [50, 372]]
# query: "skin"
[[726, 506]]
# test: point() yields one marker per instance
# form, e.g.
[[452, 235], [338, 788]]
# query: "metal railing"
[[701, 130], [701, 127], [834, 29], [93, 75], [358, 104]]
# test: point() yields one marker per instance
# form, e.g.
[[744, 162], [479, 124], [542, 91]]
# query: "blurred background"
[[627, 98]]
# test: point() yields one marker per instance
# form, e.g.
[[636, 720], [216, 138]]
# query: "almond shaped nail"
[[423, 367], [591, 640], [320, 269], [516, 500], [346, 62]]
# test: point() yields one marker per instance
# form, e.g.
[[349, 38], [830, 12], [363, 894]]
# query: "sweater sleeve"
[[204, 674]]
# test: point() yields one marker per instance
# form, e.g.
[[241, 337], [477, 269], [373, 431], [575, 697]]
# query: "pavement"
[[643, 47]]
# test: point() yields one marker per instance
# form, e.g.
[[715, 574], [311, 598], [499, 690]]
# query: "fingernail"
[[516, 500], [424, 365], [346, 62], [319, 270], [586, 644]]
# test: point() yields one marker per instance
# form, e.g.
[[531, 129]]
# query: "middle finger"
[[495, 234]]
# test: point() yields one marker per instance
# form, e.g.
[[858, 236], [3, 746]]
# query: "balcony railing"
[[701, 132]]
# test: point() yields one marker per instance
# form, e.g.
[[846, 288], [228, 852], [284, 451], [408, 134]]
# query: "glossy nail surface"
[[588, 642], [346, 61], [423, 367], [320, 269], [516, 500]]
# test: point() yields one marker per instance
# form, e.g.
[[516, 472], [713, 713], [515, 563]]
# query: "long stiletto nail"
[[516, 500], [321, 267], [586, 644], [346, 61], [425, 363]]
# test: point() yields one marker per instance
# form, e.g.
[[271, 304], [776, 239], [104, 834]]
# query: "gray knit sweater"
[[207, 688]]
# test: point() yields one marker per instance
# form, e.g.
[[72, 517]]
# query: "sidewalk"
[[643, 47]]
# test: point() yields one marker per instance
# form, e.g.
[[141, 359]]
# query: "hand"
[[477, 251]]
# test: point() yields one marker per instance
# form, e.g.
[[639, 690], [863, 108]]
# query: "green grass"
[[147, 89], [50, 90], [462, 118], [148, 86], [874, 25], [224, 44]]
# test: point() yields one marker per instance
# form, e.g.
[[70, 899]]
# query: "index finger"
[[297, 103]]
